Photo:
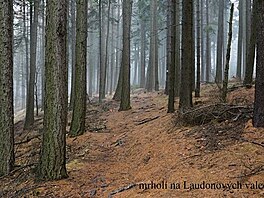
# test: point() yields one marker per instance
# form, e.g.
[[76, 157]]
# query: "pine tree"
[[187, 53], [7, 157], [220, 40], [258, 117], [172, 9], [125, 63], [252, 48], [79, 106], [52, 163], [29, 120]]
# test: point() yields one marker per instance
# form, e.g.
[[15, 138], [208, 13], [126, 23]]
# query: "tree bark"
[[225, 82], [198, 47], [220, 40], [125, 94], [117, 65], [25, 70], [43, 54], [52, 164], [150, 83], [171, 83], [202, 43], [258, 116], [91, 58], [79, 107], [177, 51], [208, 46], [168, 46], [7, 157], [135, 64], [240, 36], [106, 50], [29, 120], [187, 53], [252, 47], [73, 50], [111, 76], [142, 52], [102, 48]]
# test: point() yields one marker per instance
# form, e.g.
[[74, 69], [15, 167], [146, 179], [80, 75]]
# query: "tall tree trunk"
[[240, 39], [193, 49], [23, 80], [7, 156], [125, 94], [142, 52], [202, 43], [52, 163], [258, 117], [117, 95], [244, 40], [168, 43], [101, 63], [135, 64], [43, 55], [117, 65], [252, 47], [73, 50], [90, 56], [106, 49], [79, 107], [171, 83], [225, 82], [25, 70], [220, 40], [163, 64], [150, 83], [156, 58], [111, 79], [102, 48], [187, 53], [16, 84], [208, 46], [177, 51], [29, 120], [198, 53]]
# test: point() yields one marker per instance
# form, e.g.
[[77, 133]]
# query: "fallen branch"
[[121, 190], [17, 169], [219, 112], [23, 191], [252, 142], [28, 140], [235, 87], [253, 172], [147, 120]]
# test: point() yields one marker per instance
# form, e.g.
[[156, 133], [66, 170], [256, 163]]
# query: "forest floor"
[[120, 150]]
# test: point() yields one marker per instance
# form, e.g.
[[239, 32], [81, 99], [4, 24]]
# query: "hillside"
[[120, 150]]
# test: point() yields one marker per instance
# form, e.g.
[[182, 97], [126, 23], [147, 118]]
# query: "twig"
[[233, 88], [17, 169], [27, 140], [253, 172], [121, 190], [252, 142], [23, 191], [22, 167], [147, 120]]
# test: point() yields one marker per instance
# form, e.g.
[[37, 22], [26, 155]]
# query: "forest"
[[131, 98]]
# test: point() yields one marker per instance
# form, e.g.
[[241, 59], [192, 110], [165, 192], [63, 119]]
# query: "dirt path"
[[143, 145]]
